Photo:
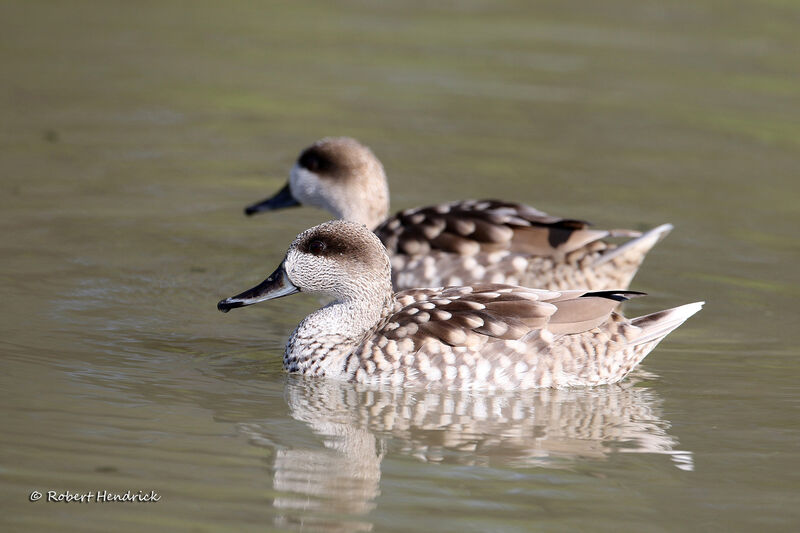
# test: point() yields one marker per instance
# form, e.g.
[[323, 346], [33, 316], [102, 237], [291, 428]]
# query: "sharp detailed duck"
[[460, 242], [489, 336]]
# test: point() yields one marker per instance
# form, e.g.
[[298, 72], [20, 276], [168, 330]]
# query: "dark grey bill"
[[275, 286], [283, 198]]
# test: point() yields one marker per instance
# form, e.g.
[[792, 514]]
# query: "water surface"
[[134, 134]]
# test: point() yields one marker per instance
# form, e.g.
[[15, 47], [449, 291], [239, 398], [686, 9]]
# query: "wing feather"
[[469, 227]]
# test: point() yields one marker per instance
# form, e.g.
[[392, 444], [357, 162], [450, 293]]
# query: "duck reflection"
[[358, 426]]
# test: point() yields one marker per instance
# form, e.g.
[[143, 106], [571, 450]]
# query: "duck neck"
[[322, 341], [371, 204], [370, 213]]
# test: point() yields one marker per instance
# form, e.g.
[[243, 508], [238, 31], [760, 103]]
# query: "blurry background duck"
[[490, 336], [461, 242]]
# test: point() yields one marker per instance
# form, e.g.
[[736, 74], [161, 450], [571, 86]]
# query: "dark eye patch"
[[309, 162], [316, 160], [326, 244], [317, 247], [340, 241]]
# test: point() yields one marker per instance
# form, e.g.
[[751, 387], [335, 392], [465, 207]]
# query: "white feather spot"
[[405, 346], [391, 348], [439, 314], [482, 370]]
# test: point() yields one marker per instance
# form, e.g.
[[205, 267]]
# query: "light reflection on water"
[[359, 425]]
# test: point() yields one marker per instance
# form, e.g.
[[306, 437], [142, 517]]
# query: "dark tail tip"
[[620, 296]]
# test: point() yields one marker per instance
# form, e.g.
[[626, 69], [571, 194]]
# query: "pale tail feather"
[[658, 325], [642, 244]]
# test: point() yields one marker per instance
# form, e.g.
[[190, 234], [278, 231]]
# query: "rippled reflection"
[[358, 425]]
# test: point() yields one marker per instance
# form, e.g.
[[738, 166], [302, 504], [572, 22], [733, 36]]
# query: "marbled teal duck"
[[489, 336], [457, 243]]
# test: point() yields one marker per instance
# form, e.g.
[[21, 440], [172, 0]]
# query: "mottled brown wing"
[[466, 316], [471, 226]]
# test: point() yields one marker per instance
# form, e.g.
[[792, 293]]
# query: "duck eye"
[[317, 247], [310, 161]]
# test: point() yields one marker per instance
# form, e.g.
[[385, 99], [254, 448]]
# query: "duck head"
[[339, 259], [337, 174]]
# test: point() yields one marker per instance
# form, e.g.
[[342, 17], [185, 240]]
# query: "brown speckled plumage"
[[463, 242], [488, 336]]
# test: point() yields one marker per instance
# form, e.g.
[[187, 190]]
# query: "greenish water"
[[133, 134]]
